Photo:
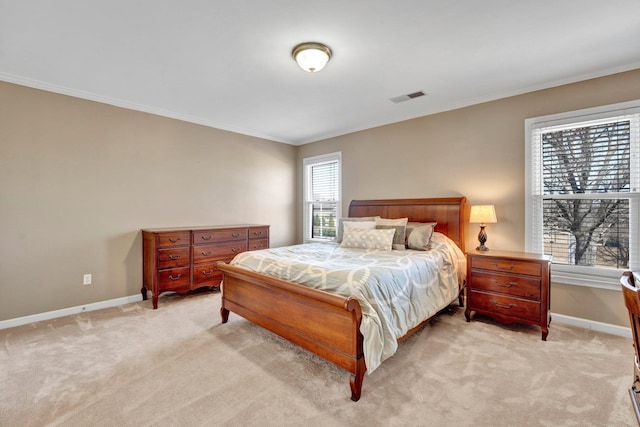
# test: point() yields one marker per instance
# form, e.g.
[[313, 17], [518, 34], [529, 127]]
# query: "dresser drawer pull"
[[172, 240], [502, 306], [234, 250], [207, 273], [258, 246], [207, 253], [206, 237], [235, 234], [502, 268], [174, 257], [504, 285], [175, 278], [257, 233]]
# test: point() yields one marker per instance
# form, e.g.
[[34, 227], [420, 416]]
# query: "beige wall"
[[477, 152], [79, 179]]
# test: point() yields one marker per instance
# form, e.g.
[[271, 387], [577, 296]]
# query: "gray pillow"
[[398, 236], [419, 235], [399, 225]]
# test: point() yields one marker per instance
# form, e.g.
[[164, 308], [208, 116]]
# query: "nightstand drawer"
[[506, 306], [507, 266], [507, 284]]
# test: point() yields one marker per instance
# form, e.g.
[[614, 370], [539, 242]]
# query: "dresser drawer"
[[255, 245], [203, 273], [174, 257], [209, 253], [506, 306], [258, 232], [201, 237], [507, 284], [507, 266], [174, 239], [174, 278]]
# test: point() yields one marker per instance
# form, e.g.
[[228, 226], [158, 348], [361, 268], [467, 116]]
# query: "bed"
[[332, 322]]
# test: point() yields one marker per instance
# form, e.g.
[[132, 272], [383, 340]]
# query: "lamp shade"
[[482, 214], [311, 56]]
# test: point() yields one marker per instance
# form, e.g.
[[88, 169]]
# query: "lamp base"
[[482, 237]]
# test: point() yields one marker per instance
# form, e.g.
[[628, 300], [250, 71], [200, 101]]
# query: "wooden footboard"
[[325, 324]]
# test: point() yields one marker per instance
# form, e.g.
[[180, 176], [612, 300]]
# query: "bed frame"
[[325, 324]]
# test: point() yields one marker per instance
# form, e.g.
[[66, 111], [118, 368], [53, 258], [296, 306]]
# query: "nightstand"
[[510, 287]]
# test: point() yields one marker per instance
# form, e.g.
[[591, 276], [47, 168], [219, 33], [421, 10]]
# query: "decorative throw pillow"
[[341, 225], [367, 239], [398, 225], [419, 235]]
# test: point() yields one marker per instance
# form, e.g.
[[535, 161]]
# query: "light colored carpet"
[[179, 366]]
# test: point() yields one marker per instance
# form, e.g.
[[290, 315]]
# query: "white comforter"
[[396, 289]]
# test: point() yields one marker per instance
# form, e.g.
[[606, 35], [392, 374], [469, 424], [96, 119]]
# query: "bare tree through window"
[[584, 170]]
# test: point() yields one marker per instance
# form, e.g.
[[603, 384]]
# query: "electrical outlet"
[[86, 280]]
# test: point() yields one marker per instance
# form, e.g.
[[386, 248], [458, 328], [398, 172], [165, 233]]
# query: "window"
[[583, 192], [322, 196]]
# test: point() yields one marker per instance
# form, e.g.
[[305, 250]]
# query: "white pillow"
[[367, 239], [360, 225], [399, 225]]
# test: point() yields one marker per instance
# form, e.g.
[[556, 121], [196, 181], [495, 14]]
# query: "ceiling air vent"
[[407, 97]]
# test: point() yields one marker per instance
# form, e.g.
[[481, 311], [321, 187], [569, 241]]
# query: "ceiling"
[[227, 64]]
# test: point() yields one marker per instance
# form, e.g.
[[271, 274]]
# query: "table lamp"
[[482, 214]]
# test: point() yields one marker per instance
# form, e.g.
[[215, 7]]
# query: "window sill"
[[609, 281]]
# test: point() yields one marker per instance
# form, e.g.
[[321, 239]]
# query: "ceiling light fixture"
[[311, 56]]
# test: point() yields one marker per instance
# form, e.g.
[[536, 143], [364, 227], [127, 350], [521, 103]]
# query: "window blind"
[[324, 182]]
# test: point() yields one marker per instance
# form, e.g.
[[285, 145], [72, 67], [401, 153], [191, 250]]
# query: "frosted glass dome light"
[[311, 56]]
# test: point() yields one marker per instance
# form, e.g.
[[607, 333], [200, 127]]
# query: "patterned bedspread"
[[396, 289]]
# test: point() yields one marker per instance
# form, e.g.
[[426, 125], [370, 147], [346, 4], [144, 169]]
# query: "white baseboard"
[[592, 324], [18, 321]]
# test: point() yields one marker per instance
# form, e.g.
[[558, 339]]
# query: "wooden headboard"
[[448, 212]]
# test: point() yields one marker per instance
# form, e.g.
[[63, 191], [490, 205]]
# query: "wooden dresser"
[[183, 259], [510, 287]]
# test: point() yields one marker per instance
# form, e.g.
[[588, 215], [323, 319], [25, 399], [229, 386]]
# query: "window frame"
[[307, 164], [597, 277]]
